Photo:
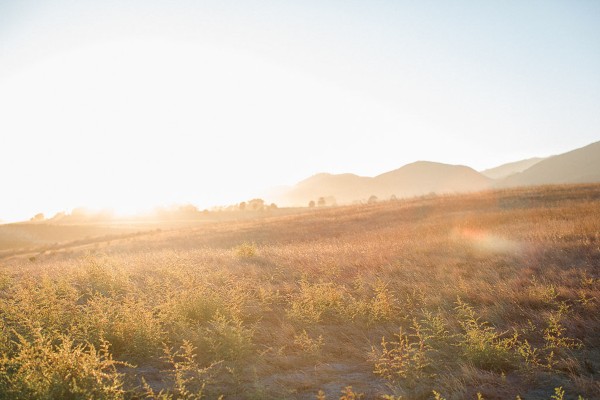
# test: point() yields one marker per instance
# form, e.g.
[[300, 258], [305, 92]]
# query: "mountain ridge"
[[581, 165], [511, 168]]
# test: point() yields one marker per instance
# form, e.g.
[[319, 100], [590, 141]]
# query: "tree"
[[321, 202], [38, 217], [256, 204], [311, 203], [372, 199]]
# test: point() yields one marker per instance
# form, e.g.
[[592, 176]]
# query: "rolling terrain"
[[495, 293], [416, 179], [577, 166], [425, 177], [506, 170]]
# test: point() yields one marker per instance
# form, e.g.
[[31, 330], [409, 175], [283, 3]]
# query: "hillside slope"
[[508, 169], [343, 187], [423, 177], [418, 178], [577, 166]]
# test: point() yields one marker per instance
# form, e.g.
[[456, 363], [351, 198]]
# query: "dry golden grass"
[[495, 293]]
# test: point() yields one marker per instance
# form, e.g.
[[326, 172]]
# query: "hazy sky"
[[127, 104]]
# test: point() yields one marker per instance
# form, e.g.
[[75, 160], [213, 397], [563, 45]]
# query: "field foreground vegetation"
[[494, 294]]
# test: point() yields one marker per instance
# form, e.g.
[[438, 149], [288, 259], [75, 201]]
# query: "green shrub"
[[554, 334], [101, 276], [404, 359], [189, 379], [226, 338], [383, 305], [129, 325], [49, 305], [308, 345], [482, 345], [198, 305], [59, 369], [316, 302], [246, 250]]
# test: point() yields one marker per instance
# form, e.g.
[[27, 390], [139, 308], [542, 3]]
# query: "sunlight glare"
[[148, 122]]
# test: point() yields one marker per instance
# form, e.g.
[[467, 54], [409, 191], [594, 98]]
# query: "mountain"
[[506, 170], [423, 177], [345, 188], [577, 166], [419, 178]]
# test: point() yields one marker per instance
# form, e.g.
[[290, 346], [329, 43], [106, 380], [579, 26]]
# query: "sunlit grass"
[[494, 293]]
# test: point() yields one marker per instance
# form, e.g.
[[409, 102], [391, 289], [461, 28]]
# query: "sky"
[[135, 103]]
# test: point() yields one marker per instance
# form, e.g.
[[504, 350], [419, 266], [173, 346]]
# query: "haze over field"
[[133, 104]]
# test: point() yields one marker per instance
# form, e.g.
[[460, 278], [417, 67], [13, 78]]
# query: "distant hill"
[[345, 188], [425, 177], [419, 178], [506, 170], [577, 166]]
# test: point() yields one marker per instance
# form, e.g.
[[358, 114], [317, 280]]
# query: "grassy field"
[[493, 295]]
